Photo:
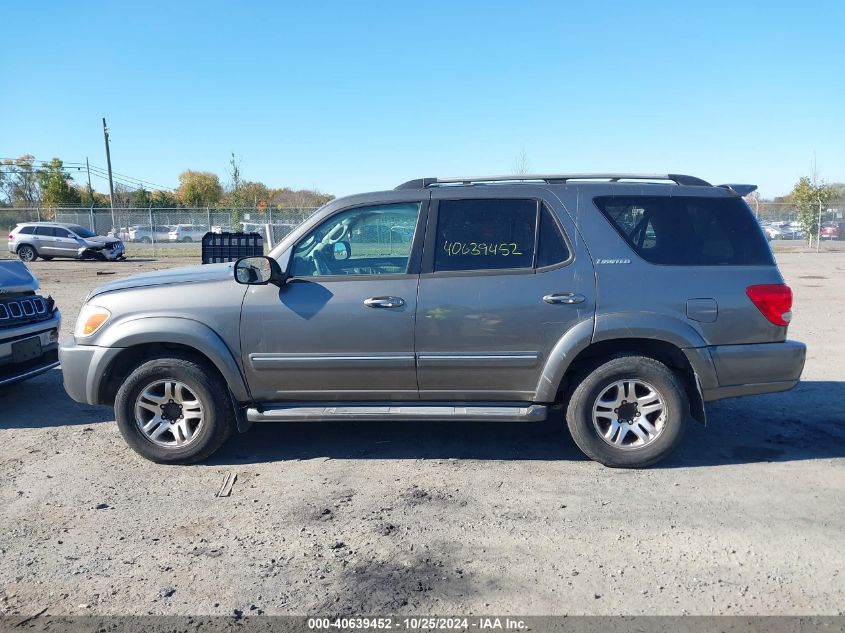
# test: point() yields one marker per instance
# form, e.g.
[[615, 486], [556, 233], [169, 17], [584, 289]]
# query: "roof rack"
[[554, 179]]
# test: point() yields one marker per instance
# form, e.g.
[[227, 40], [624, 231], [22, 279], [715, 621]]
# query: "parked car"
[[121, 233], [31, 240], [29, 325], [147, 234], [783, 232], [187, 233], [833, 231], [625, 302]]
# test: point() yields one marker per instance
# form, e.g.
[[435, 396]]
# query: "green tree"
[[56, 185], [808, 196], [164, 199], [235, 196], [199, 188], [21, 182], [140, 197]]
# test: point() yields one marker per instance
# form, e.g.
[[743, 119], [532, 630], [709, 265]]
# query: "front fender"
[[179, 331]]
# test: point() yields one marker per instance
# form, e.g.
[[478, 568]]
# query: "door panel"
[[44, 241], [65, 243], [343, 327], [486, 335], [318, 340]]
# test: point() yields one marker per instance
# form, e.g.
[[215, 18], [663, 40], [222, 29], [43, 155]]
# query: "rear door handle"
[[384, 302], [564, 297]]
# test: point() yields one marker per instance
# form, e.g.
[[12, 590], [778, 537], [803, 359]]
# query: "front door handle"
[[564, 297], [384, 302]]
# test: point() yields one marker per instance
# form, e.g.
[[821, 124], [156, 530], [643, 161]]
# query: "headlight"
[[91, 318]]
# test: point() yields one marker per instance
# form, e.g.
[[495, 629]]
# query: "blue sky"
[[350, 97]]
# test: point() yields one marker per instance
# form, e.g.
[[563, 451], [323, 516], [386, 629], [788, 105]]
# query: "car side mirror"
[[259, 271]]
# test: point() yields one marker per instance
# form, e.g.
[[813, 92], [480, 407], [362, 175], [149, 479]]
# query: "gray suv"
[[31, 240], [627, 300]]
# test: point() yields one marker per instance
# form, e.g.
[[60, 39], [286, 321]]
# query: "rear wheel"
[[628, 412], [27, 253], [174, 410], [187, 240], [145, 240]]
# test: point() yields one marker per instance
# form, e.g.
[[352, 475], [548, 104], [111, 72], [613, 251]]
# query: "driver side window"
[[372, 240]]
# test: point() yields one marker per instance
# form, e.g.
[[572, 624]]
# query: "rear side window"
[[44, 230], [688, 231], [27, 230], [485, 234], [493, 234]]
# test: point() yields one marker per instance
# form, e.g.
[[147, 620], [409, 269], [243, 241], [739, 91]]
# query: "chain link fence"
[[779, 221], [157, 232], [177, 232]]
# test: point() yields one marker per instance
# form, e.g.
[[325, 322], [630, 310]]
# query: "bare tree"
[[521, 165]]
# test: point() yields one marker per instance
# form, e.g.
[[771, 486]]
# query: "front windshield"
[[81, 231]]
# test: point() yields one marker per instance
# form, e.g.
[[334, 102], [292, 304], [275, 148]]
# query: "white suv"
[[187, 233]]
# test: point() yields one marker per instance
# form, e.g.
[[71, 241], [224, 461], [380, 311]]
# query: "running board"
[[424, 412]]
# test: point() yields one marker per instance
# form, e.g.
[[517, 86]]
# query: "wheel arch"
[[657, 336], [663, 351], [152, 337]]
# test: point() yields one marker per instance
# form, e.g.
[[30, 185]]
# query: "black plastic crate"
[[228, 247]]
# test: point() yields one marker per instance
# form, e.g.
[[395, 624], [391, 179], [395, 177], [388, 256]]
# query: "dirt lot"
[[746, 518]]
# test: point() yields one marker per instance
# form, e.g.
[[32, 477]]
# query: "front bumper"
[[110, 254], [729, 371], [47, 331], [84, 368]]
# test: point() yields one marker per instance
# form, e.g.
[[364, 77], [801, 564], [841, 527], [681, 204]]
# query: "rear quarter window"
[[688, 231]]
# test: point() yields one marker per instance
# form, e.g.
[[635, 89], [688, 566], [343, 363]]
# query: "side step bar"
[[330, 412]]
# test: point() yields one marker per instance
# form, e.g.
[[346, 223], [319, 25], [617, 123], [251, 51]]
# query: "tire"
[[186, 240], [27, 253], [147, 384], [145, 240], [592, 411]]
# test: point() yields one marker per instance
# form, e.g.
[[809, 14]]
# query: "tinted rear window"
[[688, 231], [28, 230]]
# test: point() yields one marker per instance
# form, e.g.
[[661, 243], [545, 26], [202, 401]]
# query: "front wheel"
[[27, 253], [628, 412], [174, 411]]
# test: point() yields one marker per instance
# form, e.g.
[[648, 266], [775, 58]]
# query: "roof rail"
[[553, 179]]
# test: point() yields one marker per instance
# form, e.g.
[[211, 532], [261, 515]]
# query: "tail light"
[[774, 301], [11, 236]]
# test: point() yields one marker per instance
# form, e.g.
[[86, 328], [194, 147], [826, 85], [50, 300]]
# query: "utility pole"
[[90, 190], [108, 163]]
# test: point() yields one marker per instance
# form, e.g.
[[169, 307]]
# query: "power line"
[[127, 180]]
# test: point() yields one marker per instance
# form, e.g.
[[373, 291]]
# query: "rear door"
[[44, 241], [504, 276]]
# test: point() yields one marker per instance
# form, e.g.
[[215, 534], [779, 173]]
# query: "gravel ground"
[[746, 518]]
